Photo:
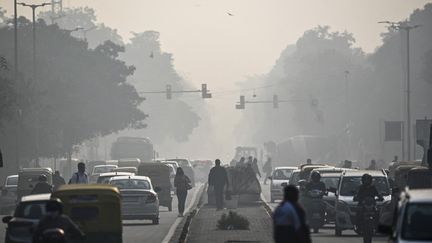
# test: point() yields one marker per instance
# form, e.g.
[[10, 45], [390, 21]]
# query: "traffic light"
[[241, 104], [168, 92], [275, 101], [204, 92]]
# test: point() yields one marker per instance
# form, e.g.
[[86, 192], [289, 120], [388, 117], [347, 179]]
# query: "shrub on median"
[[233, 221]]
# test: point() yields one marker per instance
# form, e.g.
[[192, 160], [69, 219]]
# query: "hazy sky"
[[211, 46]]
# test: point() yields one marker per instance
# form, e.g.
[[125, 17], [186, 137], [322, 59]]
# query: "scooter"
[[316, 209], [369, 219]]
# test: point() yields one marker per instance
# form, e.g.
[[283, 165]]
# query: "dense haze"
[[237, 50]]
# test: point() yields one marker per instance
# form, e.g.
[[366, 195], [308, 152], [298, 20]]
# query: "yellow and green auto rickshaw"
[[95, 208], [159, 174], [29, 177]]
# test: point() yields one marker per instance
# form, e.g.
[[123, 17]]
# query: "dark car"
[[26, 216]]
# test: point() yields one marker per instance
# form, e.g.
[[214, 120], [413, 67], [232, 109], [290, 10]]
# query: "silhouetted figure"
[[372, 165], [182, 184], [250, 160], [255, 167], [218, 178], [289, 219], [81, 176], [309, 161], [58, 180], [395, 159], [267, 168], [347, 164], [241, 162], [42, 186], [55, 219]]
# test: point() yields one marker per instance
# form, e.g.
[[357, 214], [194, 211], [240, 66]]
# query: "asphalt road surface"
[[327, 234], [140, 231]]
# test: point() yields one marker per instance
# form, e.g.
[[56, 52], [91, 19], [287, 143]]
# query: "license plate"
[[130, 199]]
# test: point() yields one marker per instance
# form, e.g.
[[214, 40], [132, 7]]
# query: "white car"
[[99, 169], [8, 195], [413, 218], [104, 178], [139, 199], [278, 180]]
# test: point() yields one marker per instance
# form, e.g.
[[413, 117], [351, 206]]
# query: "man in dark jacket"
[[42, 186], [218, 178]]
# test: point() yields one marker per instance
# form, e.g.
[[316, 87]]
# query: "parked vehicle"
[[100, 169], [91, 164], [105, 177], [26, 216], [187, 168], [29, 177], [413, 215], [159, 175], [96, 209], [278, 180], [349, 184], [139, 198], [8, 197]]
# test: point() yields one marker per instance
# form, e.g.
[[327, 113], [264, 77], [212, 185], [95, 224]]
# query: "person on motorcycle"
[[365, 191], [54, 220], [316, 183], [42, 186]]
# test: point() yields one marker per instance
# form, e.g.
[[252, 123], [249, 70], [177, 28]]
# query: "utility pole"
[[34, 7], [17, 132], [407, 27]]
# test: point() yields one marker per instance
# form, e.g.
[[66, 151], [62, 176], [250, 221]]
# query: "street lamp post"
[[407, 27], [34, 7]]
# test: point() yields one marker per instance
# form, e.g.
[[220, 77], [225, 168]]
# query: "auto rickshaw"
[[159, 174], [29, 177], [95, 209]]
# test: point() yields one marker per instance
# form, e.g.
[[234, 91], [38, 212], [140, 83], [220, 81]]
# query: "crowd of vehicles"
[[122, 189]]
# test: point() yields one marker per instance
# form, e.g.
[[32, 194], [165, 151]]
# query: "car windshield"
[[30, 210], [104, 179], [294, 178], [103, 169], [183, 162], [330, 182], [131, 184], [351, 184], [416, 223], [282, 174], [12, 181]]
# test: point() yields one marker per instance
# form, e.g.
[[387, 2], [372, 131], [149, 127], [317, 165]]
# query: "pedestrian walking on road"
[[182, 184], [267, 168], [289, 219], [81, 176], [218, 178], [255, 167]]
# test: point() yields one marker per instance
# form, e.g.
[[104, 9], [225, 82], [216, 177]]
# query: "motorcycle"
[[316, 209], [369, 219]]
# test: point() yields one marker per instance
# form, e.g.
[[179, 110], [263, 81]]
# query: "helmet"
[[315, 176], [42, 178], [54, 205], [366, 179]]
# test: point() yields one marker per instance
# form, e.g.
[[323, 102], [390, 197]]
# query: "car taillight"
[[151, 198]]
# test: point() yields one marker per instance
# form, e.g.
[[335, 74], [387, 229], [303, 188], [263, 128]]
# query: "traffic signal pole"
[[205, 93]]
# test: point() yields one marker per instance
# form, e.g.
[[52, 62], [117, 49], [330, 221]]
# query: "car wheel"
[[155, 220], [338, 232]]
